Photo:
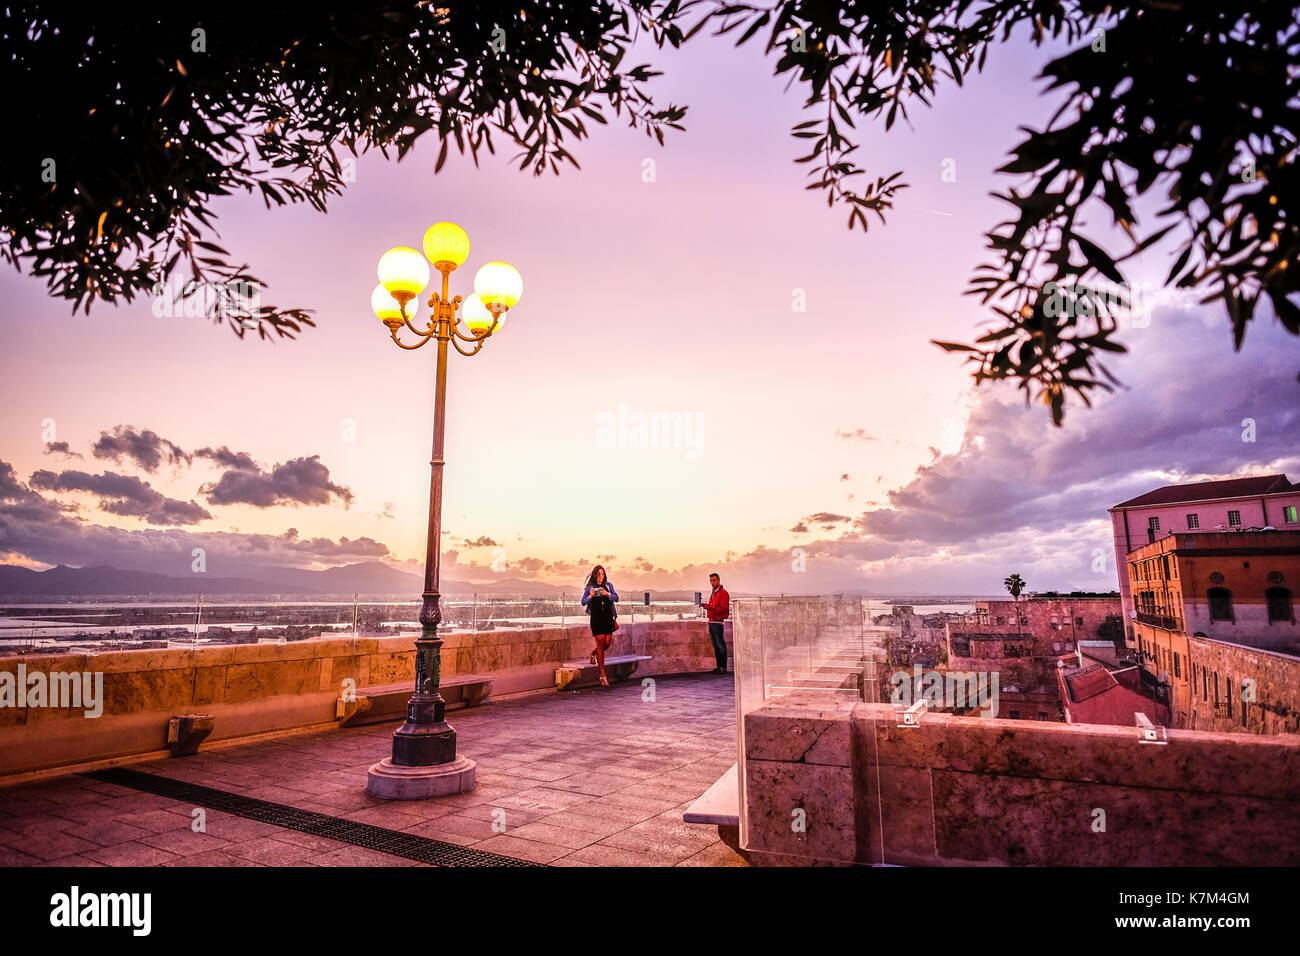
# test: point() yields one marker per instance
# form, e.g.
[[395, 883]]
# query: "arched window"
[[1220, 604], [1279, 605]]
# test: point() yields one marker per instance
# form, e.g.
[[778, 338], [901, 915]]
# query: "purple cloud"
[[300, 481], [124, 495], [146, 448]]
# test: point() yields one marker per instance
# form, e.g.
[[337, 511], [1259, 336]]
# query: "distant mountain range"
[[367, 578]]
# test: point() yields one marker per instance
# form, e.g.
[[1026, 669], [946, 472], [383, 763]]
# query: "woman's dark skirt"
[[602, 616]]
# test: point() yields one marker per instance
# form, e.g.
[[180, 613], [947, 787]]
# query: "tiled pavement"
[[586, 778]]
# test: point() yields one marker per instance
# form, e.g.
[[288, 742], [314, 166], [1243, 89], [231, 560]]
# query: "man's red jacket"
[[718, 606]]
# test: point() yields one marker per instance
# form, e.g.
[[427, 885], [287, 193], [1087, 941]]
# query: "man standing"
[[718, 608]]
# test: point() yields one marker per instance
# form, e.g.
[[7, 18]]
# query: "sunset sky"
[[672, 296]]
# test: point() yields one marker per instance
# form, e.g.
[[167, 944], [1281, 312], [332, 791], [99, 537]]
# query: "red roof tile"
[[1204, 490], [1089, 682]]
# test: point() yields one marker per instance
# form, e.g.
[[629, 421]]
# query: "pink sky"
[[668, 296]]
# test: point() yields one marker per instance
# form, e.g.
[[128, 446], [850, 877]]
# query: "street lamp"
[[424, 761]]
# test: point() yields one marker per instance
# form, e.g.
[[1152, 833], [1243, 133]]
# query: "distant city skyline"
[[132, 439]]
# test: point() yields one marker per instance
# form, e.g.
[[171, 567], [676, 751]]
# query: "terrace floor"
[[585, 778]]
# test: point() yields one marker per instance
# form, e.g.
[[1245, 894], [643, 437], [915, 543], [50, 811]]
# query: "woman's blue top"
[[586, 592]]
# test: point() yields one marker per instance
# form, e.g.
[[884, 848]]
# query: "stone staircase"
[[843, 662]]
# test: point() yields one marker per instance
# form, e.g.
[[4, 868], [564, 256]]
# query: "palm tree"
[[1015, 584]]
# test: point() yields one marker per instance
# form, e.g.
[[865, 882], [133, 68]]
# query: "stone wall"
[[1276, 705], [1056, 624], [977, 791], [1249, 624], [1022, 640], [260, 688]]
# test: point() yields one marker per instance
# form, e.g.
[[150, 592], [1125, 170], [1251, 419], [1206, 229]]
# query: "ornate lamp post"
[[424, 761]]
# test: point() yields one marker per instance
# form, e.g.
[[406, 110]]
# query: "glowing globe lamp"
[[403, 272], [499, 285], [384, 305], [477, 317], [446, 242]]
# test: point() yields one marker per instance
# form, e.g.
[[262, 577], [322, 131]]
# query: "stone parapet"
[[981, 791], [255, 689]]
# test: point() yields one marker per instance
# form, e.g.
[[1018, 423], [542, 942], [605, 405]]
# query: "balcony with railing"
[[1168, 622]]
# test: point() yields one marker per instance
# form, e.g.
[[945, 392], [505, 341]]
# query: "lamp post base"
[[389, 781]]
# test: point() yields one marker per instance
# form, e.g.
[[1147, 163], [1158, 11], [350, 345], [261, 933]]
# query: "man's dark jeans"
[[719, 644]]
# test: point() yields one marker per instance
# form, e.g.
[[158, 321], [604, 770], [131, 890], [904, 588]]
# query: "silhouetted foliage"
[[123, 125], [1190, 105], [1191, 102]]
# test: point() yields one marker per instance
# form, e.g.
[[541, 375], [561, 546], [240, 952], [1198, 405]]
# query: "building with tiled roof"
[[1093, 692], [1215, 621], [1251, 487], [1246, 504]]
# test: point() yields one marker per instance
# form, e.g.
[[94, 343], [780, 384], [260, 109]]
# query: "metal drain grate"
[[393, 842]]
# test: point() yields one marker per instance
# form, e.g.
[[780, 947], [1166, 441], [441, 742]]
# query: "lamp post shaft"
[[433, 545], [424, 762], [426, 739]]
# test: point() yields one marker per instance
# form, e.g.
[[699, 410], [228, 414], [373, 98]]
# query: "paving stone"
[[64, 861], [51, 846], [357, 856], [131, 854], [519, 849], [632, 773], [543, 800], [633, 801], [398, 814], [483, 793], [653, 790], [235, 829], [138, 802], [87, 812], [157, 821], [309, 840], [660, 838], [454, 823], [183, 842], [270, 851], [488, 811], [573, 838], [108, 789], [23, 800], [593, 783], [432, 831], [290, 796], [507, 780], [37, 825], [213, 858], [346, 800], [548, 770], [109, 833], [587, 823], [716, 854], [12, 857], [70, 795], [599, 854]]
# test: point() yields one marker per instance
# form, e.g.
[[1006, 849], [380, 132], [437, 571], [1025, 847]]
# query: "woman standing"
[[599, 597]]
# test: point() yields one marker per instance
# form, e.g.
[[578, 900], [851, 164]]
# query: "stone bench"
[[584, 673], [719, 806], [386, 702]]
